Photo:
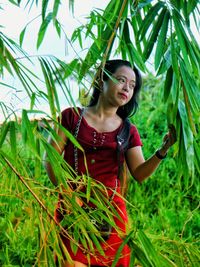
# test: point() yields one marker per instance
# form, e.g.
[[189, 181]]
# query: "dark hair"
[[110, 68]]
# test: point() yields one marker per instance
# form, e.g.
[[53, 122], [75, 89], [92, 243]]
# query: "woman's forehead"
[[125, 70]]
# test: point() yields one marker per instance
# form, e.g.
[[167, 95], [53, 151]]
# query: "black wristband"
[[159, 156]]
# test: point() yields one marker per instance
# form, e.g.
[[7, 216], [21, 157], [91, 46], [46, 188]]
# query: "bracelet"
[[159, 156]]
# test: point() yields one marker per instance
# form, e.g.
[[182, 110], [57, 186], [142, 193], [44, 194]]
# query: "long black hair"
[[110, 68]]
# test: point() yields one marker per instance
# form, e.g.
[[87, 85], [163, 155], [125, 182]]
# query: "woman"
[[114, 99]]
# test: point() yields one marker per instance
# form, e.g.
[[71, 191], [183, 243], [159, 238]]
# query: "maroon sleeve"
[[134, 137], [69, 118]]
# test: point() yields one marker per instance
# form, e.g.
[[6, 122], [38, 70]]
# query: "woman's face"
[[119, 88]]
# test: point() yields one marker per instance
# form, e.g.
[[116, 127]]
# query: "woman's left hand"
[[170, 138]]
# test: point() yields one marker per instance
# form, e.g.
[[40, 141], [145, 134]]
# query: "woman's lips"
[[122, 95]]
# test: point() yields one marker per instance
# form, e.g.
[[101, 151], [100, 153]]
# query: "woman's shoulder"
[[134, 135], [69, 116], [71, 111], [133, 127]]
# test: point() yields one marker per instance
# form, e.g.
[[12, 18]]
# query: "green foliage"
[[163, 206]]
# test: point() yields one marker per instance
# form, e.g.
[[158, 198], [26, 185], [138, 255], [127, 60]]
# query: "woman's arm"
[[140, 168], [59, 146]]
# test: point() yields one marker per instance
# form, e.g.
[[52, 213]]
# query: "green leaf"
[[191, 88], [153, 36], [70, 68], [166, 62], [56, 7], [134, 56], [111, 16], [13, 138], [197, 155], [149, 19], [50, 87], [58, 27], [174, 55], [119, 251], [88, 192], [44, 8], [168, 83], [187, 137], [4, 131], [181, 40], [33, 98], [61, 81], [26, 129], [43, 29], [139, 253], [149, 250], [14, 2], [71, 6], [161, 40], [21, 37]]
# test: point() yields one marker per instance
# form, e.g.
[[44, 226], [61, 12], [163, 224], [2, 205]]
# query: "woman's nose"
[[126, 86]]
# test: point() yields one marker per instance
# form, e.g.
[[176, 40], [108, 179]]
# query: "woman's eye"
[[121, 80], [132, 86]]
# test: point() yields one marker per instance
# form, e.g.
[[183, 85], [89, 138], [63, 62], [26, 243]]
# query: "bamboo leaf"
[[174, 54], [119, 251], [4, 131], [135, 26], [161, 40], [149, 18], [191, 5], [33, 98], [144, 3], [153, 36], [21, 37], [139, 253], [150, 252], [191, 88], [181, 40], [168, 83], [69, 68], [50, 73], [111, 14], [134, 56], [13, 137], [61, 81], [57, 163], [187, 138], [197, 156], [71, 6], [55, 8], [175, 90], [97, 244], [44, 8], [43, 29], [58, 27], [50, 90], [166, 63], [88, 192], [26, 129]]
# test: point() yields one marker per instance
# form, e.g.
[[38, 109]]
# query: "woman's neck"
[[103, 111]]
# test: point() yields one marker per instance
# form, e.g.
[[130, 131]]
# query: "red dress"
[[102, 164]]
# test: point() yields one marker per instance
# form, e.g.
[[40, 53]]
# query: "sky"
[[14, 20]]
